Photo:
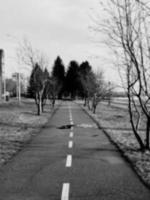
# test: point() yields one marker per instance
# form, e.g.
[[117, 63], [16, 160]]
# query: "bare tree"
[[53, 89], [127, 28], [102, 91], [37, 62], [29, 56], [37, 85]]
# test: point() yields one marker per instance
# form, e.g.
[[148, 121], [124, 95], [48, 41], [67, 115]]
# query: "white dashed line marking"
[[70, 116], [71, 134], [70, 144], [71, 123], [69, 161], [70, 120], [65, 191], [66, 186]]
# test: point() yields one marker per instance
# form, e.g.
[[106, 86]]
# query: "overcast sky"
[[56, 27]]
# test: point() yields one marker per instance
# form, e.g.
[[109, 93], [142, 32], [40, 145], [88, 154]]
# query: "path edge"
[[122, 153], [33, 134]]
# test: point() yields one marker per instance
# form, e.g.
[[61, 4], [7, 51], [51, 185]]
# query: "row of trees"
[[44, 85], [78, 81]]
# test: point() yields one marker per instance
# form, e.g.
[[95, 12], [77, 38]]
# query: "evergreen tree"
[[58, 73], [46, 91], [72, 79], [37, 85], [87, 81]]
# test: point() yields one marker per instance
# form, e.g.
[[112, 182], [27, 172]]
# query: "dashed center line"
[[71, 135], [66, 186], [71, 123], [71, 118], [69, 161], [70, 144], [65, 191]]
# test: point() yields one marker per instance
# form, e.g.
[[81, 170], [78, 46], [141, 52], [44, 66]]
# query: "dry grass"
[[115, 120], [18, 122]]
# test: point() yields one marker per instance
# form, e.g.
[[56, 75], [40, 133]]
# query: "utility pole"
[[4, 83], [19, 88], [1, 72], [4, 78], [18, 85]]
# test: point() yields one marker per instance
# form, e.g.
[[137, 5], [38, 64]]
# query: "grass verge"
[[18, 123], [116, 125]]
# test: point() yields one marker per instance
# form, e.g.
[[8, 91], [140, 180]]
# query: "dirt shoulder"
[[115, 123], [18, 123]]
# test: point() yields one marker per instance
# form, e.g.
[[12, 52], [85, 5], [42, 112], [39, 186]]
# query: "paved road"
[[76, 164]]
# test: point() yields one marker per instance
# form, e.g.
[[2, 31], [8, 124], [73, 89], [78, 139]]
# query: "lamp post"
[[18, 85], [4, 82], [1, 72]]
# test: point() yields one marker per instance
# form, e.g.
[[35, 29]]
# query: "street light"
[[18, 85], [1, 71]]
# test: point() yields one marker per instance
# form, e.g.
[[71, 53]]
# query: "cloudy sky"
[[56, 27]]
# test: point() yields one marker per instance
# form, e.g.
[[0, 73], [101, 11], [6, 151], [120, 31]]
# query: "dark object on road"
[[68, 126]]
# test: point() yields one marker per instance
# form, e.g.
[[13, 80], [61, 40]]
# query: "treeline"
[[78, 80]]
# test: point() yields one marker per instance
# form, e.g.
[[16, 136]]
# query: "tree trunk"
[[147, 133], [94, 103], [88, 103], [138, 138], [94, 109], [53, 102], [43, 104], [38, 109], [85, 101], [42, 107], [39, 106]]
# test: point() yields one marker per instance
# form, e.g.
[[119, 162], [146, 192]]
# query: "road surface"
[[64, 163]]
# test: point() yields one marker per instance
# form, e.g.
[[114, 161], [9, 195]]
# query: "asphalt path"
[[70, 159]]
